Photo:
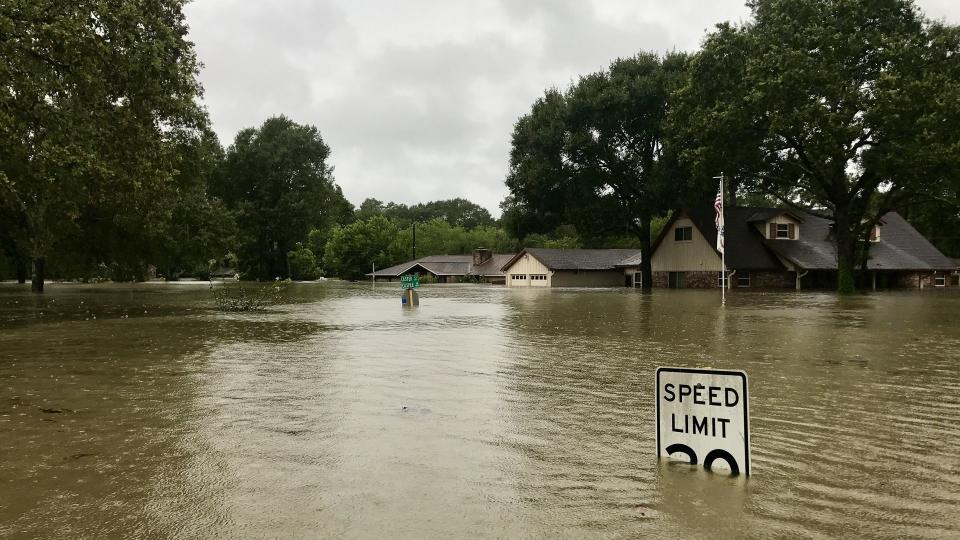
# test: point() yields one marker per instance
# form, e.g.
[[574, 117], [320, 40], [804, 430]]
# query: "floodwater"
[[138, 411]]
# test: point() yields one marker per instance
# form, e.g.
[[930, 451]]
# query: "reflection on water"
[[137, 410]]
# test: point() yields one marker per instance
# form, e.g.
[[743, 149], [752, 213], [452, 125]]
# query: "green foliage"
[[841, 105], [597, 156], [437, 237], [277, 181], [303, 263], [240, 298], [94, 96], [455, 212], [353, 248]]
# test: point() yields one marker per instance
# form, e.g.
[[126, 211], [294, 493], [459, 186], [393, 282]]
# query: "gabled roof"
[[900, 247], [448, 265], [492, 266], [766, 214], [744, 248], [577, 259]]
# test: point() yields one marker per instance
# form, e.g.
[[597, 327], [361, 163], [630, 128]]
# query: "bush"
[[239, 298], [303, 263]]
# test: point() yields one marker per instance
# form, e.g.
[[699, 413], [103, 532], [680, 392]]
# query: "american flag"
[[718, 219]]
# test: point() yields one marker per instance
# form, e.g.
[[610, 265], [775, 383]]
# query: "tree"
[[353, 248], [90, 95], [845, 108], [303, 263], [190, 226], [277, 181], [597, 156]]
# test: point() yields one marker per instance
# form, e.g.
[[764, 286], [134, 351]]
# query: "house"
[[542, 267], [778, 248], [482, 265]]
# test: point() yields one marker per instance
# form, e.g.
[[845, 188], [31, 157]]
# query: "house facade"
[[542, 267], [772, 248]]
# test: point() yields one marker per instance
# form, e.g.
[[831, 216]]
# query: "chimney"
[[481, 255]]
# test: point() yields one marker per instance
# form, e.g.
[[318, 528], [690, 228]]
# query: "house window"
[[538, 277], [518, 277], [875, 233], [676, 280], [722, 279], [683, 234], [783, 231], [743, 280], [940, 280]]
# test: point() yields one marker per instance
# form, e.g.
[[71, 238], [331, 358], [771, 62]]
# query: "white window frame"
[[722, 279], [940, 280], [786, 231], [518, 277]]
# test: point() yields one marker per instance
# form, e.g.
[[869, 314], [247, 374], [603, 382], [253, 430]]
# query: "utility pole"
[[414, 240]]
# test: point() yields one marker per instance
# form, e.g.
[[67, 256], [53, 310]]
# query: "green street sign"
[[410, 282]]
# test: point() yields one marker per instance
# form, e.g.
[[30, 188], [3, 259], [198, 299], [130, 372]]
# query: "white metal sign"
[[704, 414]]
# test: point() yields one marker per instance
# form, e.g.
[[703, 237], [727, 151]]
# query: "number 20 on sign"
[[704, 415]]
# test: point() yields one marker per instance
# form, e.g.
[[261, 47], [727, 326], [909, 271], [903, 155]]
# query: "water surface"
[[137, 410]]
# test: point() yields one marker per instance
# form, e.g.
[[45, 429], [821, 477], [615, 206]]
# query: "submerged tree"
[[90, 95], [597, 156], [843, 107], [277, 180]]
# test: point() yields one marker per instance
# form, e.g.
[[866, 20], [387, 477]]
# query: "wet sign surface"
[[410, 281], [704, 415]]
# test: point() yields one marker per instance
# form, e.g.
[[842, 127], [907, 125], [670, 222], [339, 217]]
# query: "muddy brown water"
[[138, 411]]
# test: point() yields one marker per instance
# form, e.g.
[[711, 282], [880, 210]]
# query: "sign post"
[[704, 414], [408, 283]]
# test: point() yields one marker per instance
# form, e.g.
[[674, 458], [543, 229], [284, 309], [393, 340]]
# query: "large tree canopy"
[[91, 94], [277, 180], [597, 155], [845, 107]]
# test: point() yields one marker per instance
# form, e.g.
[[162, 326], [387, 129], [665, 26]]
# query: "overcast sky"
[[417, 99]]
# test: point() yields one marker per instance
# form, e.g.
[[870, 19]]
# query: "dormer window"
[[783, 231]]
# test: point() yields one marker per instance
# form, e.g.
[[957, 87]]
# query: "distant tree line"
[[109, 167]]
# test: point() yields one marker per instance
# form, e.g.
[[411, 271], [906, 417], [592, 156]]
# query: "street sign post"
[[704, 414], [408, 283]]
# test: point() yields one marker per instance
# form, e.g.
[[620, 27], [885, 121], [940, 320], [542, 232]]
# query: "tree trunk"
[[21, 270], [38, 275], [732, 185], [846, 257], [646, 270]]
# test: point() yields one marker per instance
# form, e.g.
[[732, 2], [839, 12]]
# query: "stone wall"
[[701, 280], [710, 280], [771, 280], [912, 280]]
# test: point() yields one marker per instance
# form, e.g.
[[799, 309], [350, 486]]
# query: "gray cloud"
[[417, 99]]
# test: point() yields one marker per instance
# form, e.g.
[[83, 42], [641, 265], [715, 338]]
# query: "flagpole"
[[723, 252]]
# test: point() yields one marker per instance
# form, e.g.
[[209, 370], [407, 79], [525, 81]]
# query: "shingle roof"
[[493, 266], [744, 250], [577, 259], [448, 265], [901, 247]]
